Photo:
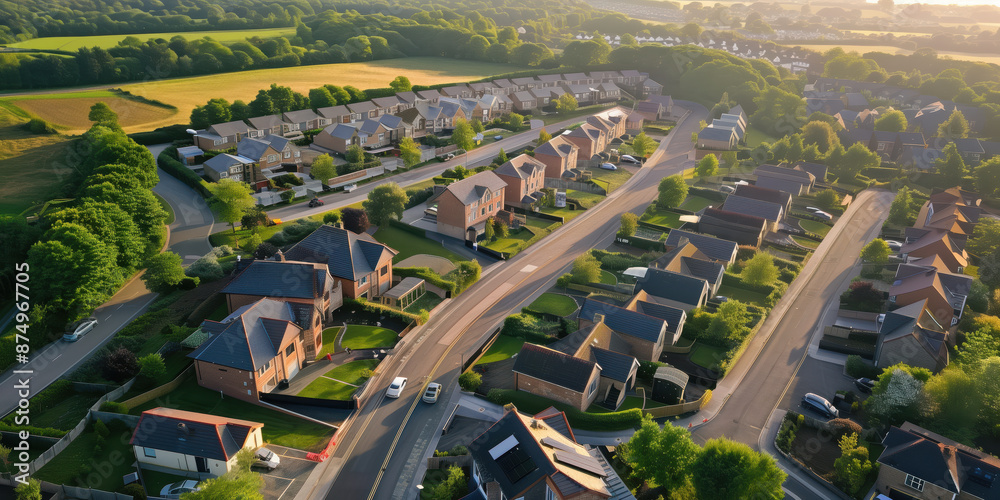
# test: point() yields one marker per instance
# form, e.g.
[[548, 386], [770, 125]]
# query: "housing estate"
[[361, 265]]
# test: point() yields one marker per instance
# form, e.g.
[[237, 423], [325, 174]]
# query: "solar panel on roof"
[[552, 443], [582, 462], [516, 464]]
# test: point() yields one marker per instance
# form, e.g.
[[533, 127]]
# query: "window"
[[482, 211], [381, 137], [290, 349], [383, 271], [265, 368], [223, 175], [149, 452], [272, 158], [364, 279], [288, 154], [881, 146], [914, 482], [593, 387]]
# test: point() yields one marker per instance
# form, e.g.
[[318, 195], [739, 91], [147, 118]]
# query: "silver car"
[[82, 329], [432, 393], [177, 489], [267, 458]]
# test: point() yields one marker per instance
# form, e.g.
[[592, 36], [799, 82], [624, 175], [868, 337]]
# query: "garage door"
[[292, 368]]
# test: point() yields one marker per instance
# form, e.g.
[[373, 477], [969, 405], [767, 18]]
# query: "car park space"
[[285, 481]]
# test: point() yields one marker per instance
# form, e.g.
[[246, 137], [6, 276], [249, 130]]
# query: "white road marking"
[[528, 268]]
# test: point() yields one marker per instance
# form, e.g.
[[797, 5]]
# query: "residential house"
[[543, 96], [886, 144], [548, 81], [715, 249], [557, 376], [186, 443], [430, 96], [458, 92], [818, 172], [407, 99], [451, 111], [335, 114], [269, 152], [303, 119], [717, 139], [608, 92], [481, 89], [254, 348], [650, 87], [525, 83], [674, 316], [612, 126], [538, 457], [913, 336], [505, 87], [634, 123], [918, 464], [650, 110], [559, 155], [337, 137], [672, 289], [584, 94], [919, 158], [686, 259], [733, 124], [645, 335], [388, 105], [796, 182], [741, 228], [851, 136], [948, 247], [525, 177], [735, 110], [363, 110], [190, 155], [780, 198], [577, 79], [465, 206], [471, 109], [589, 139], [632, 78], [607, 77], [829, 105], [773, 213], [855, 101], [928, 280], [235, 167], [971, 151], [269, 125], [224, 135], [524, 101], [362, 265]]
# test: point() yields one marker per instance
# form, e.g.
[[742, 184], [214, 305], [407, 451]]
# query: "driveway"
[[193, 220], [286, 480]]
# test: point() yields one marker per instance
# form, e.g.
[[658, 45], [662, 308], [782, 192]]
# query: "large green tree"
[[707, 166], [985, 237], [79, 270], [409, 151], [853, 466], [660, 456], [760, 270], [821, 134], [988, 177], [951, 165], [891, 121], [955, 127], [583, 53], [164, 271], [899, 211], [857, 158], [102, 115], [323, 168], [214, 111], [231, 199], [728, 326], [672, 191], [463, 135], [386, 202], [643, 145], [728, 469], [566, 103], [586, 269], [401, 84], [876, 252], [111, 225]]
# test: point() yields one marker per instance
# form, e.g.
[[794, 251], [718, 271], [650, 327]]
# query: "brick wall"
[[554, 392]]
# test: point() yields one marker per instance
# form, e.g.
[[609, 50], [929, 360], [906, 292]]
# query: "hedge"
[[426, 274], [34, 431], [161, 135], [170, 164], [613, 261], [374, 307], [613, 421], [418, 196], [408, 228], [847, 346], [640, 243]]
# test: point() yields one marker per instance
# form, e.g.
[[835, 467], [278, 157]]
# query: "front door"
[[201, 464]]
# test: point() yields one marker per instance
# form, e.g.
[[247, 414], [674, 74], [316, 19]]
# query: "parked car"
[[894, 245], [864, 385], [497, 137], [396, 387], [820, 405], [812, 209], [432, 393], [267, 458], [82, 329], [727, 189], [721, 298], [608, 166], [630, 159], [175, 490], [316, 202], [823, 215]]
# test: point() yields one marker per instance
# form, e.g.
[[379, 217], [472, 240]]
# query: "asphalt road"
[[385, 440]]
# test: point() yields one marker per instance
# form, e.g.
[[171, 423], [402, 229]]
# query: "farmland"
[[861, 49], [31, 166], [69, 110], [72, 43]]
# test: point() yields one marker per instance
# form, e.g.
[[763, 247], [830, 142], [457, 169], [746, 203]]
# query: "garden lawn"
[[503, 348], [67, 413], [707, 356], [696, 203], [116, 456], [351, 373], [565, 213], [608, 278], [742, 295], [279, 428], [409, 244], [324, 388], [814, 227], [553, 303], [610, 180], [629, 403], [511, 242], [754, 137], [368, 337], [426, 301], [665, 219], [586, 199], [531, 404], [329, 341], [806, 242]]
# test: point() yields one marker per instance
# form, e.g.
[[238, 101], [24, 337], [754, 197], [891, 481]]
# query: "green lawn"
[[324, 388], [666, 219], [608, 278], [755, 137], [629, 403], [586, 199], [67, 413], [368, 337], [220, 312], [329, 341], [553, 303], [707, 356], [114, 459], [512, 241], [814, 226], [531, 404], [503, 348], [426, 301], [610, 179], [352, 373], [696, 203], [565, 213], [409, 244], [742, 295], [279, 428], [806, 242]]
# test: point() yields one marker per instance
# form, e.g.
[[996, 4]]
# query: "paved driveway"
[[286, 480]]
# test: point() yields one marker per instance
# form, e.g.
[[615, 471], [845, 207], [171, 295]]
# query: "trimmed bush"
[[134, 489], [470, 381], [858, 368], [167, 160], [377, 308], [114, 407], [39, 126]]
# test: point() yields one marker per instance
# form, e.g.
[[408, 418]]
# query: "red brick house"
[[361, 265], [525, 177], [466, 205], [559, 155]]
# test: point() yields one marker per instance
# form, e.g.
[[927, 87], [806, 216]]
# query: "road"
[[385, 440]]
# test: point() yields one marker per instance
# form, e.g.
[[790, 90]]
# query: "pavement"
[[193, 220]]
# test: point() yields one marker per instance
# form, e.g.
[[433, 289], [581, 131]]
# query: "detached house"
[[688, 260], [236, 167], [948, 247], [303, 119], [270, 124], [773, 213], [672, 289], [524, 101], [913, 336], [589, 139], [361, 265], [269, 152], [717, 139], [789, 180], [715, 249], [645, 335], [224, 135], [780, 198], [525, 177], [559, 155], [928, 280], [741, 228], [466, 205]]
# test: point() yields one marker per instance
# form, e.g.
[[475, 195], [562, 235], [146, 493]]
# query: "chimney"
[[181, 426], [279, 256], [598, 318]]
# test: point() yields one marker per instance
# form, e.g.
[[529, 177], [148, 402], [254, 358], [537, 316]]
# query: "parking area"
[[284, 482], [818, 377]]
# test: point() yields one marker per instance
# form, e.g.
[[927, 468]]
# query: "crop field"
[[31, 166], [861, 49], [69, 111], [72, 43]]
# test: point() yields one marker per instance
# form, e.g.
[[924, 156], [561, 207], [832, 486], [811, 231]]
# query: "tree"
[[453, 486], [231, 199], [409, 152], [79, 270], [643, 145], [707, 166], [876, 252], [502, 157], [323, 168], [401, 84], [985, 237], [988, 379], [152, 366], [727, 469], [463, 135], [947, 404], [581, 53], [821, 134], [853, 466], [989, 270], [262, 105], [543, 137], [163, 272], [672, 190], [386, 202], [892, 121], [896, 396], [489, 232], [332, 217], [566, 103], [586, 269], [899, 211], [760, 270], [102, 115], [355, 220], [253, 218], [321, 97], [827, 198], [240, 483], [500, 228], [630, 222], [477, 126], [951, 165], [120, 365], [660, 456], [530, 54], [31, 490], [355, 155], [729, 159], [988, 177], [727, 328], [955, 127], [857, 158]]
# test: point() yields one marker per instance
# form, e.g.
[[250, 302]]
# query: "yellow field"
[[72, 43], [186, 93], [31, 166], [861, 49], [71, 113]]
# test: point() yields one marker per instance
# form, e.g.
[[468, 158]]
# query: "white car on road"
[[82, 329], [396, 388]]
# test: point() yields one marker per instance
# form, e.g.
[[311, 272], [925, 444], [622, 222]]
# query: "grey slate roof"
[[473, 188], [334, 111], [624, 321], [362, 107], [784, 173], [554, 367], [921, 453], [252, 148], [750, 206], [300, 116], [386, 102], [715, 248], [221, 163], [269, 278], [671, 315], [717, 134], [510, 425], [341, 130], [230, 128], [708, 271], [520, 166], [557, 146], [191, 433], [672, 286], [764, 194], [253, 335], [348, 255], [266, 122], [614, 366]]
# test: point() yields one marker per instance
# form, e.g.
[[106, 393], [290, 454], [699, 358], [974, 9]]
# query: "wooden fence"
[[160, 391], [680, 409]]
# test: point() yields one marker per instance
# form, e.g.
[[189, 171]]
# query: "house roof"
[[666, 101], [190, 433], [624, 321], [277, 142], [403, 287], [764, 194], [649, 107], [673, 286], [520, 166], [818, 171], [386, 102], [750, 206], [234, 127], [554, 367], [557, 146], [939, 460], [269, 278], [253, 334], [221, 163], [408, 97], [615, 366], [334, 111], [266, 122], [341, 130], [362, 107], [347, 254], [473, 188], [527, 80], [915, 320], [252, 148], [730, 217], [429, 95], [714, 248], [524, 96], [717, 134], [785, 173], [190, 151], [672, 315], [302, 115]]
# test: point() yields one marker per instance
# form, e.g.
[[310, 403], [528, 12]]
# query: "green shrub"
[[374, 307], [39, 126], [167, 160], [647, 369], [529, 327], [470, 381], [101, 429], [114, 407], [857, 367], [615, 261], [786, 434], [134, 489]]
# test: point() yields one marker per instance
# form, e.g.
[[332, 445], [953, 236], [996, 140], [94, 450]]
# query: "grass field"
[[755, 137], [889, 49], [610, 179], [186, 93], [553, 303], [329, 341], [608, 278], [115, 460], [409, 244], [71, 113], [707, 356], [353, 372], [511, 242], [565, 213], [72, 43], [33, 167], [426, 301], [806, 242], [742, 295], [368, 337], [586, 199], [503, 348], [696, 203], [814, 227], [67, 413], [665, 219], [324, 388]]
